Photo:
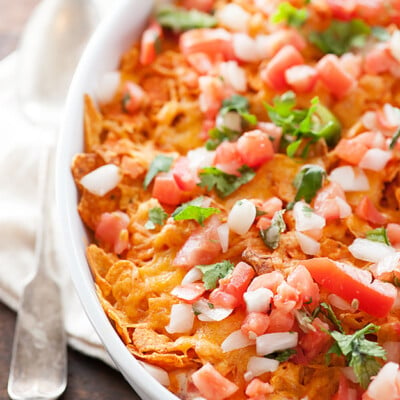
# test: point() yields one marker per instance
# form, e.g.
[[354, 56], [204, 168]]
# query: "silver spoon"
[[50, 47]]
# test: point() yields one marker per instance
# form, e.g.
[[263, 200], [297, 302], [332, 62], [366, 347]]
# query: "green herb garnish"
[[194, 210], [308, 181], [378, 235], [394, 140], [272, 234], [282, 355], [219, 135], [214, 272], [240, 105], [380, 33], [293, 16], [328, 311], [157, 216], [160, 163]]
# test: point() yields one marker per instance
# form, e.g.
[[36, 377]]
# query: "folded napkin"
[[19, 212]]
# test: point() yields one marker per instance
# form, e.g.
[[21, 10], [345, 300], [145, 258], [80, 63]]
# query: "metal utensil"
[[50, 47]]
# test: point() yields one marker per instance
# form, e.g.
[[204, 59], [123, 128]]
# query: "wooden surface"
[[88, 379]]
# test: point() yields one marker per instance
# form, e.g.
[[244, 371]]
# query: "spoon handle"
[[39, 357]]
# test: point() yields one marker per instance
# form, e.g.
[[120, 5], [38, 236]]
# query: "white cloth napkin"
[[19, 212]]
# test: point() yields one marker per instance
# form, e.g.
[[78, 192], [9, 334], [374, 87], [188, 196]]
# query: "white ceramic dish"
[[116, 33]]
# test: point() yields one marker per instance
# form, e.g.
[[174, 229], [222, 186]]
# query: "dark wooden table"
[[88, 379]]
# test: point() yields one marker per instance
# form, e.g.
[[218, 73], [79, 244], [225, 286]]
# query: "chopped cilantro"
[[219, 135], [214, 272], [341, 36], [329, 313], [282, 355], [308, 181], [360, 352], [394, 140], [157, 216], [293, 16], [193, 210], [380, 33], [239, 104], [223, 183], [180, 19], [161, 163], [271, 235], [378, 235]]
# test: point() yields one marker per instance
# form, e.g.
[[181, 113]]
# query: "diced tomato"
[[280, 321], [374, 297], [166, 190], [283, 37], [314, 342], [325, 202], [190, 292], [393, 233], [255, 324], [264, 223], [308, 290], [201, 5], [350, 150], [287, 298], [301, 78], [274, 133], [255, 148], [209, 41], [202, 246], [207, 125], [211, 384], [201, 62], [345, 392], [270, 281], [352, 64], [342, 9], [111, 231], [271, 206], [227, 158], [150, 43], [258, 389], [222, 299], [183, 175], [378, 60], [373, 140], [333, 75], [385, 385], [369, 9], [274, 72], [211, 95], [132, 97], [366, 210]]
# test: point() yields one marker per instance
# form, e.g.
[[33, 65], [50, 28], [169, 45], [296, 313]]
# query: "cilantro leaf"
[[161, 163], [239, 104], [282, 355], [223, 183], [331, 316], [180, 19], [212, 273], [293, 16], [271, 235], [394, 140], [380, 33], [360, 352], [219, 135], [193, 210], [157, 216], [378, 235], [341, 36], [308, 181]]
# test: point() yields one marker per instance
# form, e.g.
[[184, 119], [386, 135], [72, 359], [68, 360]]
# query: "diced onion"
[[369, 120], [351, 179], [101, 180], [107, 86], [271, 342], [367, 250], [259, 365], [223, 236], [193, 275], [242, 216], [344, 208], [258, 300], [245, 48], [392, 114], [181, 319], [386, 265], [156, 372], [394, 45], [231, 120], [307, 244], [236, 340], [305, 218], [233, 17], [392, 351], [339, 303], [213, 313], [383, 386], [263, 43], [200, 158], [375, 159], [234, 76]]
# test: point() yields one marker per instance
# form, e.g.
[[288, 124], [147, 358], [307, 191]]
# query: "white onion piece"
[[193, 275], [375, 159], [270, 342], [392, 351], [350, 179], [369, 120], [392, 114], [231, 120], [236, 340], [107, 86], [340, 303], [307, 244], [258, 300], [101, 180], [367, 250], [305, 218], [208, 314], [245, 48], [233, 17], [344, 208], [386, 265], [200, 158], [156, 372], [242, 216], [223, 236], [181, 319], [394, 45], [259, 365], [383, 386], [234, 76], [263, 46]]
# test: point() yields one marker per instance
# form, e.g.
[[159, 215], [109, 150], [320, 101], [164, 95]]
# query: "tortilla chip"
[[93, 124]]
